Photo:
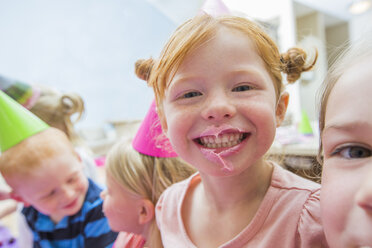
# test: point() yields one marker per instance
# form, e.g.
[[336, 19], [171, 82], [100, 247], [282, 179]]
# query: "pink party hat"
[[214, 8], [150, 139]]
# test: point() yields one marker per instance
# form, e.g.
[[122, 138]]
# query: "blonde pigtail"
[[143, 68], [70, 104], [294, 62]]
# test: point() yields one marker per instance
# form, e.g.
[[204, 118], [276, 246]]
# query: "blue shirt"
[[87, 228]]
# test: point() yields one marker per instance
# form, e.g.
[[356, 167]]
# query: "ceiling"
[[335, 10]]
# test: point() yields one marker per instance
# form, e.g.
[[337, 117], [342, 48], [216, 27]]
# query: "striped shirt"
[[87, 228]]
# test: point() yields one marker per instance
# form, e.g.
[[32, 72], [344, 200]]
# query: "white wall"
[[361, 24], [84, 46], [311, 35], [178, 10]]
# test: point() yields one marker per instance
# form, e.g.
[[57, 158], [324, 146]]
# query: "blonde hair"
[[145, 176], [350, 56], [200, 29], [29, 154], [56, 110]]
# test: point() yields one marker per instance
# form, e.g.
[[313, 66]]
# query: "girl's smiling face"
[[346, 198], [220, 107]]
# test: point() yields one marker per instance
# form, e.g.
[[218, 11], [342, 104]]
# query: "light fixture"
[[359, 6]]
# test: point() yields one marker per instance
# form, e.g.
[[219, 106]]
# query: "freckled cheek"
[[178, 136], [176, 127], [266, 131]]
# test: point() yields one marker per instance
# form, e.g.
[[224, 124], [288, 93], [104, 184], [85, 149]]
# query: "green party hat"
[[305, 126], [16, 123]]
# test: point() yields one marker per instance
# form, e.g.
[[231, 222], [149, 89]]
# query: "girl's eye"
[[191, 94], [242, 88], [352, 152]]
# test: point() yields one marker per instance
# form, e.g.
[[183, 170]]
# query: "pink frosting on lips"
[[217, 155]]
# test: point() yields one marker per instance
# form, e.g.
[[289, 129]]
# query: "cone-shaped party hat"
[[23, 93], [214, 8], [150, 139], [16, 123], [305, 126]]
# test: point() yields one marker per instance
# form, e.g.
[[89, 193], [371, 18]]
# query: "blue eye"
[[352, 152], [191, 94], [242, 88]]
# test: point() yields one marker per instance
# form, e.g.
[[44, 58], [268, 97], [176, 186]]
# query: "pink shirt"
[[289, 215], [129, 240]]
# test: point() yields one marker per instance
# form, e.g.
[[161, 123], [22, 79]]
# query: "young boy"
[[61, 206]]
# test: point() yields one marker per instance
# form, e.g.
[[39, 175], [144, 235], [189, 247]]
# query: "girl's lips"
[[217, 143], [221, 142], [221, 137], [219, 155], [215, 131]]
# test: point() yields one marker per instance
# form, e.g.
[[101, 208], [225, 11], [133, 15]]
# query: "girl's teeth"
[[225, 140]]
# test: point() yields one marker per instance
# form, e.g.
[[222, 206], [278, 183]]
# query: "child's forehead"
[[356, 77], [51, 141], [34, 151]]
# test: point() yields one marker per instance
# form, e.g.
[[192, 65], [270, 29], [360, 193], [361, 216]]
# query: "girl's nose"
[[364, 194], [218, 109]]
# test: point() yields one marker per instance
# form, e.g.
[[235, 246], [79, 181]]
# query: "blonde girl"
[[135, 181], [346, 147], [137, 172]]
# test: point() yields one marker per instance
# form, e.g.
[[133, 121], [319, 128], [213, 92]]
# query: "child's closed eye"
[[352, 152], [72, 179], [50, 194]]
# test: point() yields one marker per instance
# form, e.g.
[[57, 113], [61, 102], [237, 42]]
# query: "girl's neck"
[[226, 192], [152, 236]]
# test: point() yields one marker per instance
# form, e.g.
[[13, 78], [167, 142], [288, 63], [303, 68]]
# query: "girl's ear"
[[147, 213], [281, 108], [19, 198]]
